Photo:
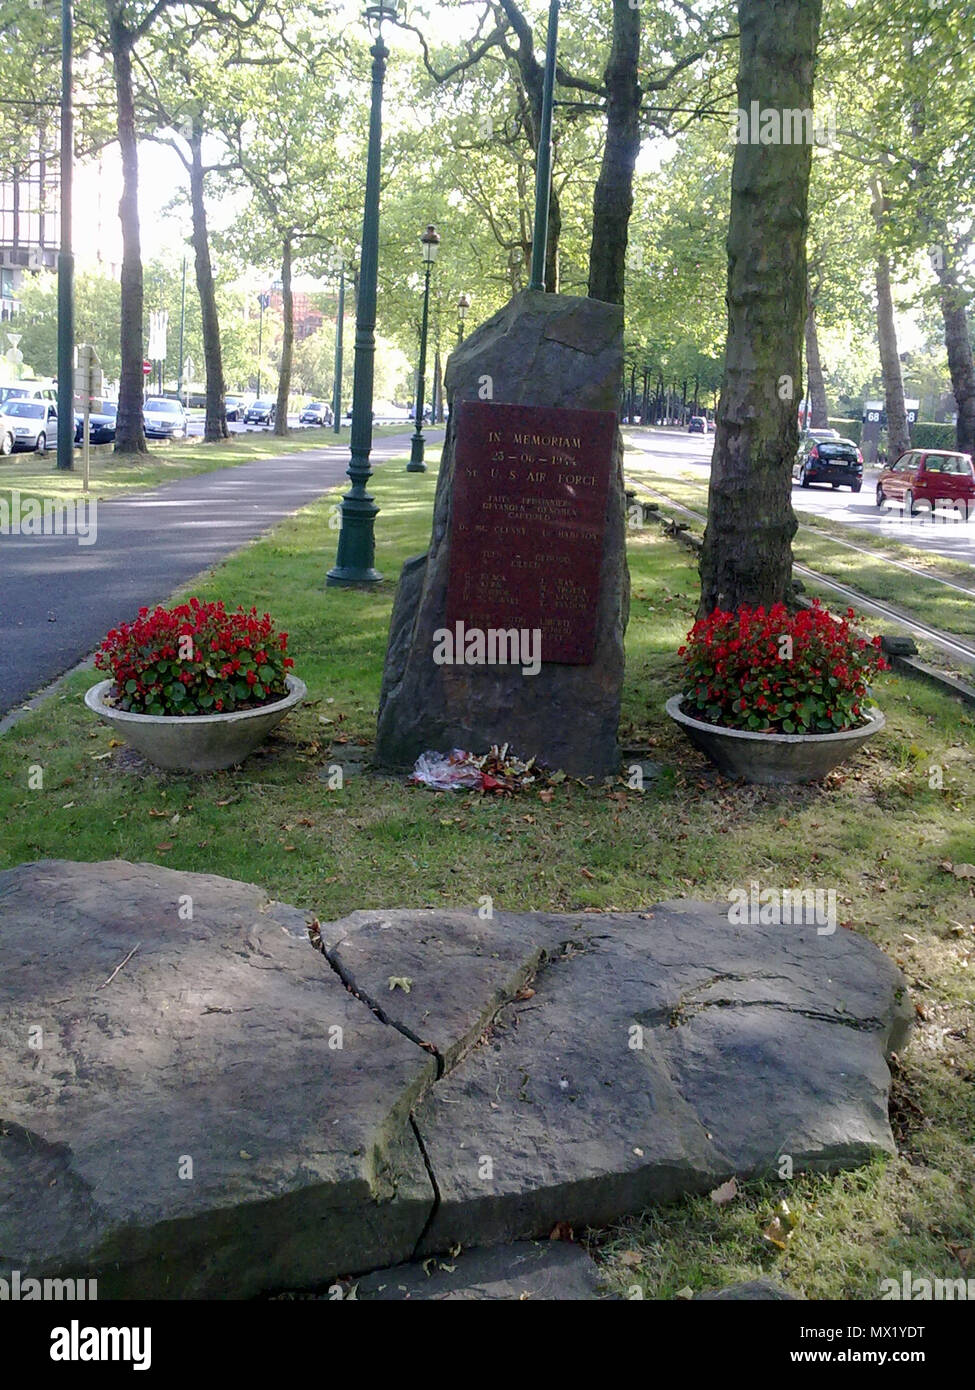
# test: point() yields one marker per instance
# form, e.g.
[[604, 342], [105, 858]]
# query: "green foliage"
[[849, 429], [927, 435]]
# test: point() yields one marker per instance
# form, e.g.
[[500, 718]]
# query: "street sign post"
[[88, 388]]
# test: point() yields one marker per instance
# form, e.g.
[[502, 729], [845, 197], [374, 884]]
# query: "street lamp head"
[[430, 241], [385, 12], [463, 304]]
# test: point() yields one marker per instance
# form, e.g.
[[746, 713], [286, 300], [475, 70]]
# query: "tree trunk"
[[818, 407], [747, 554], [958, 342], [130, 435], [215, 428], [898, 432], [287, 341], [613, 198]]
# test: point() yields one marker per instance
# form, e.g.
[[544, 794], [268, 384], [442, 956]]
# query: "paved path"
[[59, 598]]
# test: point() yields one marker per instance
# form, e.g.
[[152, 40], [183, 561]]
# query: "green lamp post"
[[357, 538], [430, 242], [463, 304], [339, 323], [543, 158], [66, 251]]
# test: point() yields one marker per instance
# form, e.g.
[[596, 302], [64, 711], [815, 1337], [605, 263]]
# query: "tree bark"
[[287, 341], [958, 342], [898, 432], [130, 435], [613, 198], [747, 554], [215, 427], [818, 407]]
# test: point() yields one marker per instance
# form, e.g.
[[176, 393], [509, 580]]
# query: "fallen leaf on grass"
[[964, 871], [547, 795], [164, 845], [158, 815], [780, 1229], [631, 1258], [727, 1192], [586, 874], [525, 993]]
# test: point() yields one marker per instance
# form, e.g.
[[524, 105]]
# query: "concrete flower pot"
[[773, 759], [195, 742]]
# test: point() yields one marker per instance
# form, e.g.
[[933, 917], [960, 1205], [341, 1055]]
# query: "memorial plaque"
[[528, 522]]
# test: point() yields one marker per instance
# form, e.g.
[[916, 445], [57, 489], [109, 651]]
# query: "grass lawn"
[[915, 595], [877, 832], [119, 475]]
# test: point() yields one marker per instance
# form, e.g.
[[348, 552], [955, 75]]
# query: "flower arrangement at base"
[[195, 659], [775, 672]]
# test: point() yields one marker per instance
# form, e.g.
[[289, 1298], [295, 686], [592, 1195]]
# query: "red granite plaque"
[[529, 513]]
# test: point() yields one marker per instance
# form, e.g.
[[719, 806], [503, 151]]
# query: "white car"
[[27, 424]]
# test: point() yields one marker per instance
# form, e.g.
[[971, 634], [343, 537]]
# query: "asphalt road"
[[671, 452], [58, 598]]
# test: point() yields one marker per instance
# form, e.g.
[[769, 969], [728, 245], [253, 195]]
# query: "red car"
[[929, 477]]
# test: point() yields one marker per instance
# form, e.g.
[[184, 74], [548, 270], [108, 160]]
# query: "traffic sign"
[[146, 367]]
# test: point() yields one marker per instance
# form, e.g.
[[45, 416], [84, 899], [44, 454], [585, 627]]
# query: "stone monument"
[[510, 628]]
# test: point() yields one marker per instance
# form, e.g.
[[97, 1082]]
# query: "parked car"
[[27, 424], [828, 460], [101, 425], [928, 477], [316, 413], [28, 391], [235, 407], [260, 413], [818, 435], [697, 425], [163, 419]]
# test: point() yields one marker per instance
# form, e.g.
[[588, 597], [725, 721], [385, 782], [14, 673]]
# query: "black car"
[[235, 407], [316, 413], [101, 425], [260, 413], [828, 460], [697, 425]]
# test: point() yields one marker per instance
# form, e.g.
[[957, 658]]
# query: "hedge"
[[927, 435], [849, 429]]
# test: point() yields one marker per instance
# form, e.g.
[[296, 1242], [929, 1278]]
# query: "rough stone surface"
[[210, 1042], [752, 1290], [549, 1271], [756, 1041], [543, 350], [461, 969], [522, 1071]]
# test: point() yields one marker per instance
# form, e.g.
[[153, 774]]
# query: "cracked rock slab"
[[440, 977], [672, 1051], [525, 1270], [175, 1116]]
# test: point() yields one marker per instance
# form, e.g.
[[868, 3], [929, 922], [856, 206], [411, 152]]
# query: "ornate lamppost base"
[[347, 577], [416, 464]]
